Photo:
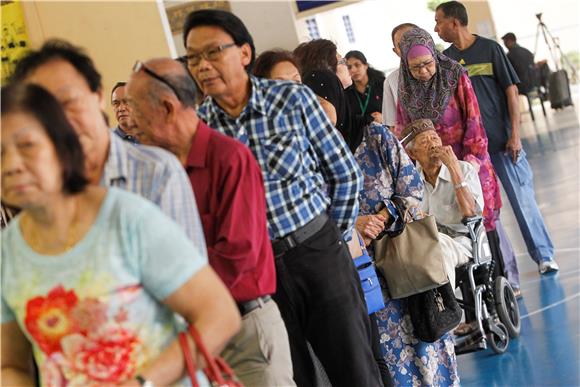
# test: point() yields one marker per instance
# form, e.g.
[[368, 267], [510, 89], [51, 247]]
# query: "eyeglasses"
[[211, 54], [419, 66], [140, 66]]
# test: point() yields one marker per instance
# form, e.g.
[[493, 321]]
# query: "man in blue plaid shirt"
[[312, 183]]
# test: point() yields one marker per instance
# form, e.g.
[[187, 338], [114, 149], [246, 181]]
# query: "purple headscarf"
[[426, 99]]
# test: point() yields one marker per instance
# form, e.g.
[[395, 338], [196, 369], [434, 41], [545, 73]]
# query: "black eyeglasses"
[[211, 54], [140, 66]]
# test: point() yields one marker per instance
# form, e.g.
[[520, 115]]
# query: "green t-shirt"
[[490, 73]]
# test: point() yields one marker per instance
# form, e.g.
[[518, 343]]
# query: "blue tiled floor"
[[548, 351]]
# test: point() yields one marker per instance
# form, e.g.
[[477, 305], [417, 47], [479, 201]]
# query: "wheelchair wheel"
[[507, 306], [497, 343]]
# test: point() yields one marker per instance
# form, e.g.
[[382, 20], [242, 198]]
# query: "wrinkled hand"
[[370, 226], [514, 147], [377, 117], [446, 155]]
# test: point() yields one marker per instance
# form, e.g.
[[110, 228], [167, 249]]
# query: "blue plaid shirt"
[[307, 167], [157, 175]]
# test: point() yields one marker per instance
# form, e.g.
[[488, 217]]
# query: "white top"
[[390, 96], [441, 200]]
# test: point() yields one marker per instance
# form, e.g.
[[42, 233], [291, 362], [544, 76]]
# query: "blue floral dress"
[[388, 172]]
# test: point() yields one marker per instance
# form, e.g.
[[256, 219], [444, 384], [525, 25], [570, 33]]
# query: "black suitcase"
[[559, 90]]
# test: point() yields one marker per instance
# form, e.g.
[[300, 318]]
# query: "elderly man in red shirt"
[[229, 191]]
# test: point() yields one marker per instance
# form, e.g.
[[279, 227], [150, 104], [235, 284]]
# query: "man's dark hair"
[[316, 55], [266, 61], [117, 85], [400, 27], [55, 49], [455, 10], [227, 21], [509, 36], [35, 101]]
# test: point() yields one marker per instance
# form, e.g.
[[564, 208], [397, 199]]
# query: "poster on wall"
[[177, 13], [15, 42]]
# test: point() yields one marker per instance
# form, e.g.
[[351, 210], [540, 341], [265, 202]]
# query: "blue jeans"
[[517, 180]]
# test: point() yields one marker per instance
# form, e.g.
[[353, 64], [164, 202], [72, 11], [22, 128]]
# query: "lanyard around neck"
[[363, 108]]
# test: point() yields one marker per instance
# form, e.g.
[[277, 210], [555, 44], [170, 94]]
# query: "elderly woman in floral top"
[[389, 173]]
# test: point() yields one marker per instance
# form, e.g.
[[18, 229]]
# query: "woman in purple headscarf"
[[436, 87]]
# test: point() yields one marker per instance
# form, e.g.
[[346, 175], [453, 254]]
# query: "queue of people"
[[232, 197]]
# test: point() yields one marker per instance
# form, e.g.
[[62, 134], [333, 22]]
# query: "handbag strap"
[[212, 371], [360, 242], [189, 362], [406, 211]]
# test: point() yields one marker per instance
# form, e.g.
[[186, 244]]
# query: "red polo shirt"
[[229, 191]]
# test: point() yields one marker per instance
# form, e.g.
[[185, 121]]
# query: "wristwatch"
[[460, 185], [144, 382]]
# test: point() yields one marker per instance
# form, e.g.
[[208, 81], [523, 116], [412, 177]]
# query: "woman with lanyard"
[[365, 95]]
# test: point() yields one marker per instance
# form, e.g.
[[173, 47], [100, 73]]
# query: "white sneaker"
[[548, 266]]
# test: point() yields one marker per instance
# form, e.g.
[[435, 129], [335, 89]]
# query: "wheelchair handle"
[[471, 219]]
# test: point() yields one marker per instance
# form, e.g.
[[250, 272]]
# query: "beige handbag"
[[411, 261]]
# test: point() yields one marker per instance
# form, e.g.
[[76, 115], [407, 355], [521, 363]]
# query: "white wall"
[[114, 33]]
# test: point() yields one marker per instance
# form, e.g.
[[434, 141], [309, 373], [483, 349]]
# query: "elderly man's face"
[[423, 146], [82, 106], [215, 62], [397, 40], [120, 107], [144, 117]]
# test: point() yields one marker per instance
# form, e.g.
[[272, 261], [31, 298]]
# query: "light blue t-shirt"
[[94, 313]]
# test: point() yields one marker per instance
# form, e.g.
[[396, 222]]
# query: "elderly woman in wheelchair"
[[453, 195]]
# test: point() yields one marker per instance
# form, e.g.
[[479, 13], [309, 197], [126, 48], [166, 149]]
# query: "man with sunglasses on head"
[[229, 190], [312, 184]]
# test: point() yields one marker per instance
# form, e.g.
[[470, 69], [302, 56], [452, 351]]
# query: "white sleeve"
[[389, 109]]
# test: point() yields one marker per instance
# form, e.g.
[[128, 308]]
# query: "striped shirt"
[[157, 175], [307, 167]]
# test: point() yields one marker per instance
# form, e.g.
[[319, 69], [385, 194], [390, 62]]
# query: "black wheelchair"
[[490, 302]]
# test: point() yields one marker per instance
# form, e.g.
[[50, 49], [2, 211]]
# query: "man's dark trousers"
[[322, 302]]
